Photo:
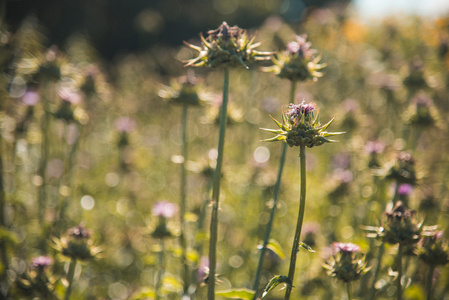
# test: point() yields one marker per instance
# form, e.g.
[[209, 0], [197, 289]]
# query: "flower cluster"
[[301, 126], [298, 62], [346, 264], [227, 47]]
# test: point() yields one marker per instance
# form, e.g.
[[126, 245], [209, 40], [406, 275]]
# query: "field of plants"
[[305, 161]]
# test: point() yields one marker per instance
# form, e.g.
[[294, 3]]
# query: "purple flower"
[[70, 96], [41, 262], [405, 189], [301, 47], [79, 232], [346, 248], [164, 209], [374, 147], [31, 98], [296, 111]]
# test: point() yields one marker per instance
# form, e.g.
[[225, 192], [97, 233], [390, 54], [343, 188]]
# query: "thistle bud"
[[77, 244], [185, 90], [433, 248], [346, 263], [301, 126], [298, 62], [422, 112], [226, 47], [403, 170]]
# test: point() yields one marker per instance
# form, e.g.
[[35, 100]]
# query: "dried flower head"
[[433, 248], [346, 264], [298, 62], [301, 126], [226, 47]]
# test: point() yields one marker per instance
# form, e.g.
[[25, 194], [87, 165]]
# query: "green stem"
[[160, 273], [372, 294], [277, 186], [399, 278], [70, 275], [216, 189], [4, 257], [182, 238], [429, 281], [348, 290], [302, 203]]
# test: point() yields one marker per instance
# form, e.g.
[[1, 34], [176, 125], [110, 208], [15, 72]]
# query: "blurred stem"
[[44, 154], [70, 275], [302, 203], [429, 281], [399, 278], [4, 257], [372, 294], [348, 290], [182, 238], [160, 273], [216, 189], [277, 186]]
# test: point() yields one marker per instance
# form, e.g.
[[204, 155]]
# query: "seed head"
[[226, 47], [301, 126], [297, 62]]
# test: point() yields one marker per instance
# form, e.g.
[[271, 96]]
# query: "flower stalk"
[[70, 275], [302, 204], [216, 189], [182, 238]]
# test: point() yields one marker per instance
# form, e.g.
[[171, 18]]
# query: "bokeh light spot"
[[261, 154], [87, 202]]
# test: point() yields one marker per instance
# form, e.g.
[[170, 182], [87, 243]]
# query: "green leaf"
[[276, 247], [244, 294], [307, 247], [274, 282]]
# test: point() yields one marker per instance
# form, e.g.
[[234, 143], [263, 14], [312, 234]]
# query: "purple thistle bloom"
[[41, 262], [164, 209], [79, 232], [301, 47], [346, 248], [125, 124], [31, 98], [296, 111], [405, 189]]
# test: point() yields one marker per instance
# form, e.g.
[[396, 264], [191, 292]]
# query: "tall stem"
[[429, 281], [182, 238], [4, 257], [160, 272], [302, 204], [377, 271], [348, 290], [44, 154], [70, 275], [277, 186], [216, 189], [399, 279]]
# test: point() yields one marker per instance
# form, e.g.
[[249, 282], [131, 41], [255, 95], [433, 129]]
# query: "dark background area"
[[121, 26]]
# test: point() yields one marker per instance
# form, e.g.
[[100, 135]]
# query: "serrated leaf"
[[276, 247], [244, 294], [274, 282], [306, 247]]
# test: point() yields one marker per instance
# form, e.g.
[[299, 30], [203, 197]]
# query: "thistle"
[[298, 62], [185, 90], [403, 170], [301, 127], [227, 47], [346, 264]]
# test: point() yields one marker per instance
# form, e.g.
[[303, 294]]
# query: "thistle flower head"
[[163, 210], [301, 126], [422, 112], [77, 244], [42, 262], [346, 264], [400, 226], [433, 248], [226, 47], [403, 169], [298, 62], [184, 90]]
